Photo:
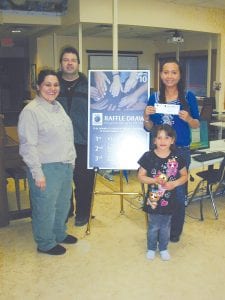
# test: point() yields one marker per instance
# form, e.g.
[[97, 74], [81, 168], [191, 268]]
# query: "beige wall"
[[154, 13], [141, 13], [73, 13], [45, 52], [146, 60], [45, 56]]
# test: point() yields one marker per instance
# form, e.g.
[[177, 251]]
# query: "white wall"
[[45, 52], [153, 13], [146, 60]]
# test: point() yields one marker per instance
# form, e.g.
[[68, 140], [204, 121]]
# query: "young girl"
[[163, 171], [172, 92]]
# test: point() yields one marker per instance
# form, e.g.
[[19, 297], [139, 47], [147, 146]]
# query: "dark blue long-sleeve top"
[[181, 127]]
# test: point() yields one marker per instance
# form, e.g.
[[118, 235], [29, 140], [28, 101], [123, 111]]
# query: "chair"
[[206, 112], [211, 177], [17, 173]]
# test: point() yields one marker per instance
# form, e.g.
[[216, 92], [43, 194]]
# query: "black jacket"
[[75, 102]]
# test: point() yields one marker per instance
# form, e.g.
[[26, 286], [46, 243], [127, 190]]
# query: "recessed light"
[[16, 30]]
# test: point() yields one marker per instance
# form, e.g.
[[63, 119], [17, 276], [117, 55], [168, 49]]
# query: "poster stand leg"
[[121, 190], [92, 201], [120, 193]]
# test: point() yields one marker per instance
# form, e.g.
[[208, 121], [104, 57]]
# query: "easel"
[[120, 192]]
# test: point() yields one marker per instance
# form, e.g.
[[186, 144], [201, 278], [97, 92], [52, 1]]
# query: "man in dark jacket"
[[74, 98]]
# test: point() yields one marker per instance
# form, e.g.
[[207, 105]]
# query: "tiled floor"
[[110, 263]]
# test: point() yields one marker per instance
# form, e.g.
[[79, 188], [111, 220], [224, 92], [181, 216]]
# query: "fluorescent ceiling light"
[[16, 30]]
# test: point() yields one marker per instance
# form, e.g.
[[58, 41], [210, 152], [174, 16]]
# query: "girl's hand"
[[100, 105], [184, 115], [169, 185], [41, 183], [160, 181], [95, 94], [116, 86], [128, 101], [101, 81], [149, 110], [131, 82]]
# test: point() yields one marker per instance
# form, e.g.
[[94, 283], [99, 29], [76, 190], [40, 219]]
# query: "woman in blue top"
[[172, 92]]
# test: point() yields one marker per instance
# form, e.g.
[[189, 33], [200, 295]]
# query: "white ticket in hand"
[[167, 109]]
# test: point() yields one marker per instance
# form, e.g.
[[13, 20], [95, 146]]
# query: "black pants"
[[83, 180]]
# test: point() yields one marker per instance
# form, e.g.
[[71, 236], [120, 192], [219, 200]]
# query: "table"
[[217, 145], [9, 158], [221, 126]]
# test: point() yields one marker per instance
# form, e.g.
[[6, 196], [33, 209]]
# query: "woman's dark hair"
[[168, 130], [69, 50], [180, 85], [43, 73]]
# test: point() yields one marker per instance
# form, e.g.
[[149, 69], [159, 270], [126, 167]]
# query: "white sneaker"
[[150, 254], [165, 255]]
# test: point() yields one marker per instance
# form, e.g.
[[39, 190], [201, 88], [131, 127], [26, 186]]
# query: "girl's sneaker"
[[165, 255], [150, 254]]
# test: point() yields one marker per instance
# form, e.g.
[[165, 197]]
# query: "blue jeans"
[[50, 207], [158, 231], [178, 217]]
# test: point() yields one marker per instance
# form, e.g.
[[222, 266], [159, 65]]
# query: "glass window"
[[196, 75]]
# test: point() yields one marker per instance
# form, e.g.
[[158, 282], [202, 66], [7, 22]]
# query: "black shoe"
[[57, 250], [70, 239], [174, 239]]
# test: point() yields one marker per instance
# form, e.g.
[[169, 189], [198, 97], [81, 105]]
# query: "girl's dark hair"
[[69, 50], [168, 130], [43, 73], [180, 85]]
